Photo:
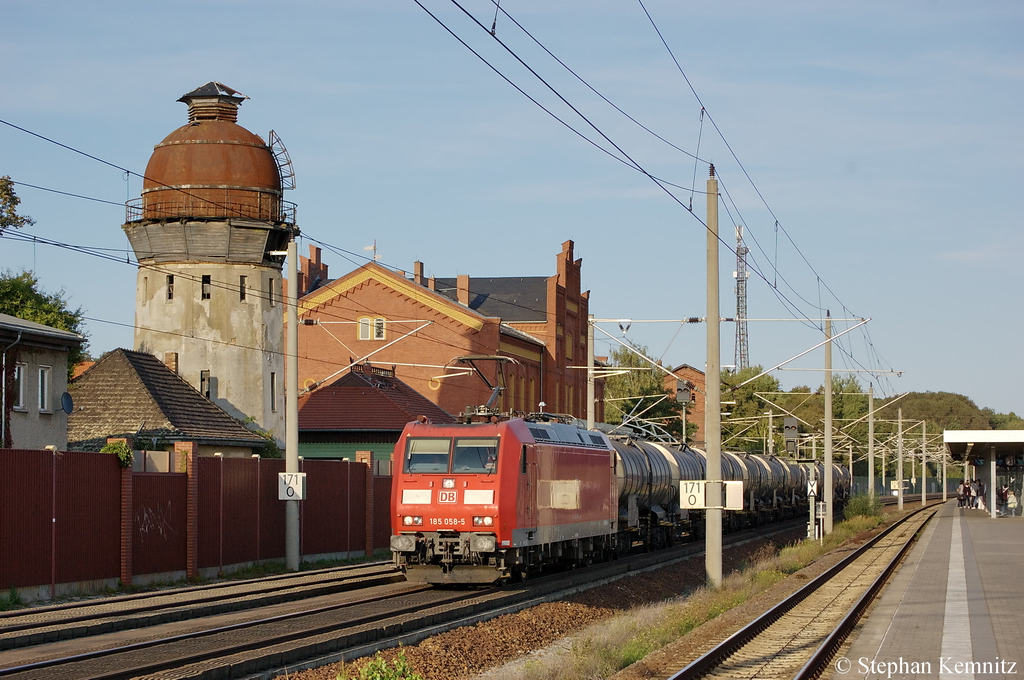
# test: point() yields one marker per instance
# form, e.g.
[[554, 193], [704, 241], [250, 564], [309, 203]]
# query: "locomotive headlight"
[[483, 521], [447, 483], [410, 520]]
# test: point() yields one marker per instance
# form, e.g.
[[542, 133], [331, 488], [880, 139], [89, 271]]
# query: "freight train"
[[485, 502]]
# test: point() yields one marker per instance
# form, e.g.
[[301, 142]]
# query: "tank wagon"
[[489, 501]]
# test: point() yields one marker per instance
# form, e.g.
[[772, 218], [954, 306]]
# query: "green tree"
[[745, 427], [9, 201], [640, 390], [21, 296]]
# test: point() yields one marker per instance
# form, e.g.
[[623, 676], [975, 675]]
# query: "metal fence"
[[61, 516]]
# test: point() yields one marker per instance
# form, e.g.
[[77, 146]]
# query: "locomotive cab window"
[[427, 454], [475, 455]]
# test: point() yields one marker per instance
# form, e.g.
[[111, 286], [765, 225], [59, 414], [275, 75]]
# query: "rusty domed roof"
[[212, 167]]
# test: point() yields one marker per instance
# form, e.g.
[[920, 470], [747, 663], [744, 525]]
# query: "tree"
[[639, 390], [9, 201], [21, 296], [745, 428]]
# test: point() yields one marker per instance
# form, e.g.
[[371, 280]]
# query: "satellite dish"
[[67, 403]]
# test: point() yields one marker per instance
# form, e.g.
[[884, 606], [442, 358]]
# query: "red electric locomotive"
[[499, 499]]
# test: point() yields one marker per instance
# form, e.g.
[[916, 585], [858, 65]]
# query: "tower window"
[[241, 289], [273, 392], [170, 286], [204, 383], [270, 291], [206, 287]]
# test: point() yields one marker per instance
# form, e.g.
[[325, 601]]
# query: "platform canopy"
[[977, 443]]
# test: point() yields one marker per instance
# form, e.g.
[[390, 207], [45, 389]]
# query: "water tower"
[[208, 297]]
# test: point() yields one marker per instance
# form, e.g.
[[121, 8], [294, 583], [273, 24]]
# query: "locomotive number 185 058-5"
[[447, 521]]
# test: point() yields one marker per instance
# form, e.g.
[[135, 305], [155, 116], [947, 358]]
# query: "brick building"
[[422, 325]]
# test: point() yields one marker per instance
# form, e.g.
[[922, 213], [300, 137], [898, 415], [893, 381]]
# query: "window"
[[427, 455], [475, 455], [145, 288], [241, 289], [270, 291], [372, 329], [44, 388], [19, 386], [170, 286], [206, 287], [273, 390], [204, 383], [568, 346]]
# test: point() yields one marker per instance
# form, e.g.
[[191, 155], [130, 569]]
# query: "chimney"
[[463, 288], [417, 272], [171, 361], [431, 283]]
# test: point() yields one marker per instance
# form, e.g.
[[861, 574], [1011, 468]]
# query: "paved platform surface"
[[954, 610]]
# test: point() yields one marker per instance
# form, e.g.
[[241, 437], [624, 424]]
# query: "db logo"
[[447, 496]]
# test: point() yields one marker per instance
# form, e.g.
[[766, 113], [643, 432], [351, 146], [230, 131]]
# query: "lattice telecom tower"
[[742, 359]]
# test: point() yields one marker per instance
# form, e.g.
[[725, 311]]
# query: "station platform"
[[955, 609]]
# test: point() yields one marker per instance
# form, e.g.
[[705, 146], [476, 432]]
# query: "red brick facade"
[[374, 314]]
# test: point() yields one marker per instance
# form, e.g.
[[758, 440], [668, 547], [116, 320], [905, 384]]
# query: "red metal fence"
[[61, 516]]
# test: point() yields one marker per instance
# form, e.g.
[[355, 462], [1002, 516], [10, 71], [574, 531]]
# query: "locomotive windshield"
[[427, 455], [475, 455]]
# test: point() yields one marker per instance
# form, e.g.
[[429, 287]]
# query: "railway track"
[[42, 625], [377, 616], [797, 637]]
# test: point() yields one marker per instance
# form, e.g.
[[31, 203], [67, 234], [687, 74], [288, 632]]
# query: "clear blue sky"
[[884, 138]]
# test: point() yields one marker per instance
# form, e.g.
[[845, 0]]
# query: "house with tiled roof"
[[423, 326], [363, 410], [134, 395]]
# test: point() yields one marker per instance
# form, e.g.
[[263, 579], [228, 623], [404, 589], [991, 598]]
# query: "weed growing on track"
[[612, 645], [378, 668]]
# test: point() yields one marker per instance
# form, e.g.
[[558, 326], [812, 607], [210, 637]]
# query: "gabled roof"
[[510, 298], [366, 399], [12, 326], [128, 392], [374, 272]]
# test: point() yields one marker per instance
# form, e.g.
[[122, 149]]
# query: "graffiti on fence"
[[155, 521]]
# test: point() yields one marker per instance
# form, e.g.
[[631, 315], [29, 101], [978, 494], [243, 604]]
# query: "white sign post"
[[291, 486]]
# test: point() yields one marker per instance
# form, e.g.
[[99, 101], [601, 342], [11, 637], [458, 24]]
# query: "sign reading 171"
[[692, 495], [291, 486]]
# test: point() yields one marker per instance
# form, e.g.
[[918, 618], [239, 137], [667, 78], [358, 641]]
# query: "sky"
[[871, 150]]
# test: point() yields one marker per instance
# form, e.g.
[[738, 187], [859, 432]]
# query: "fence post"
[[187, 454], [367, 458], [127, 519]]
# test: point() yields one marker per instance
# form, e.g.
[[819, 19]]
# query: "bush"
[[863, 504], [379, 669], [124, 453]]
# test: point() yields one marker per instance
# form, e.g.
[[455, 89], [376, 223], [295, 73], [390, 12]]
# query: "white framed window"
[[372, 328], [44, 388], [19, 387]]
